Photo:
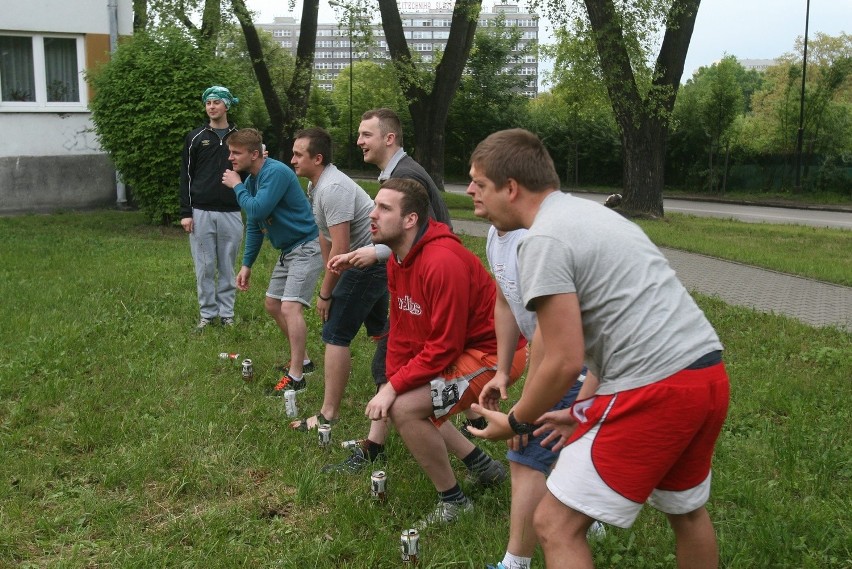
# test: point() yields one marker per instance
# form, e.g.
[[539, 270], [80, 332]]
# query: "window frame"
[[41, 104]]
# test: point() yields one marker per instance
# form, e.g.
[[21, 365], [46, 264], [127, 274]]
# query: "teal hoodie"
[[275, 206]]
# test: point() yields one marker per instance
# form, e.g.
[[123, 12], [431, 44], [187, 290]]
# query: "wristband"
[[324, 298], [520, 428]]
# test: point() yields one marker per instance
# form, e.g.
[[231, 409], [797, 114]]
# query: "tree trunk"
[[644, 149], [642, 116], [429, 109]]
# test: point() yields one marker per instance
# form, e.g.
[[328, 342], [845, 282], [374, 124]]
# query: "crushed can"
[[248, 370], [352, 444], [378, 485], [324, 435], [228, 356], [409, 543], [290, 403]]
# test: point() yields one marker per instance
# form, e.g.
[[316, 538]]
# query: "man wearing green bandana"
[[209, 210]]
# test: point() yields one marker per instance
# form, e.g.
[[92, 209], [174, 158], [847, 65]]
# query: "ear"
[[391, 138], [318, 159], [410, 220], [513, 188]]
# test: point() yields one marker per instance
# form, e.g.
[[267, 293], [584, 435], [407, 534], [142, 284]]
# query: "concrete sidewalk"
[[812, 302]]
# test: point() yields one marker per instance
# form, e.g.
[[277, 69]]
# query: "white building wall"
[[68, 16]]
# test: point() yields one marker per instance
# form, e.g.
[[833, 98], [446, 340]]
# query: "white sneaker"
[[445, 512], [202, 324], [596, 531]]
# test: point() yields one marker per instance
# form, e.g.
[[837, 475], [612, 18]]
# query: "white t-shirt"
[[337, 199], [640, 324], [502, 253]]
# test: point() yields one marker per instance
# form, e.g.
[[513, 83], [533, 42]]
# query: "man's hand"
[[359, 258], [340, 263], [495, 391], [243, 278], [186, 223], [561, 425], [380, 404], [323, 308], [498, 428], [231, 179]]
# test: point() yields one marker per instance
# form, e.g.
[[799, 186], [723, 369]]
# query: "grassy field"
[[126, 442]]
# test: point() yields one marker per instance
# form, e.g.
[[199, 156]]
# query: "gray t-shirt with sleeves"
[[502, 253], [337, 199], [640, 324]]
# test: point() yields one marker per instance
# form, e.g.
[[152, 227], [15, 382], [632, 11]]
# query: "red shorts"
[[460, 384], [651, 442]]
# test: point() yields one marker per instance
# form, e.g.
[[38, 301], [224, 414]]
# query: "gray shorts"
[[295, 275]]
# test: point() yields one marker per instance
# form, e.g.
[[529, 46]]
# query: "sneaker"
[[202, 324], [493, 474], [445, 513], [480, 423], [227, 320], [498, 566], [357, 461], [307, 368], [288, 382]]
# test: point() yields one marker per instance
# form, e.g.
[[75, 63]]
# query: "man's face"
[[372, 142], [241, 158], [488, 199], [387, 224], [304, 164], [215, 108]]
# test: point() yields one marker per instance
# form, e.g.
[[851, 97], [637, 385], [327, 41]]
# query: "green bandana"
[[220, 93]]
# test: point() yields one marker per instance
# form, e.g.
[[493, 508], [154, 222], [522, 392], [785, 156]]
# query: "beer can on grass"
[[409, 543], [378, 485], [352, 444], [248, 370], [228, 356], [290, 403], [324, 434]]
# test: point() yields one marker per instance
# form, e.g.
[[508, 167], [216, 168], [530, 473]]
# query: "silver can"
[[409, 543], [290, 403], [378, 485], [248, 370], [228, 356], [352, 444], [324, 435]]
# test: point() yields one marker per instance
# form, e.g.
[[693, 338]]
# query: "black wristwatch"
[[520, 428]]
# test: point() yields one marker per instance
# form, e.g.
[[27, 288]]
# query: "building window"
[[41, 71]]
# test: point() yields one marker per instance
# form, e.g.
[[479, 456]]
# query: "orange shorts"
[[459, 386]]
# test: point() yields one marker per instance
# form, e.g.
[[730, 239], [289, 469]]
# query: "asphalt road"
[[741, 212]]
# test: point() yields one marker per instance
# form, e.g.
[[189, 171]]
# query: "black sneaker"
[[492, 475], [357, 462], [479, 423], [307, 368], [288, 382]]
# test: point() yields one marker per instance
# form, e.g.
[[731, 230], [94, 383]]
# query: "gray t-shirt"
[[502, 253], [640, 325], [337, 199]]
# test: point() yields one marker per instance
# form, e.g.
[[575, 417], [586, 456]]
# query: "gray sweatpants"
[[215, 241]]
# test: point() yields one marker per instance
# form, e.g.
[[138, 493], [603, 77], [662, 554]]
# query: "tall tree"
[[642, 98], [428, 96]]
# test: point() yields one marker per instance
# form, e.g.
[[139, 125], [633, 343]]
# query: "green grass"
[[126, 442]]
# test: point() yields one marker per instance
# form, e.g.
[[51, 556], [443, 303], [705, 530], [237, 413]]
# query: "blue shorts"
[[536, 456], [359, 297]]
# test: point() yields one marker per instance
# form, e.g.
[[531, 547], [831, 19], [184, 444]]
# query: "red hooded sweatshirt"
[[442, 303]]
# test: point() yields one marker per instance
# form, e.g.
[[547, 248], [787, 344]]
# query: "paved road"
[[741, 212], [812, 302]]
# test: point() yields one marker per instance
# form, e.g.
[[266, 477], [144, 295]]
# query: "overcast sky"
[[747, 29]]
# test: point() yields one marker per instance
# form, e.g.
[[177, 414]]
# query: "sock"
[[477, 460], [294, 378], [515, 562], [478, 423], [306, 361], [454, 494], [374, 449]]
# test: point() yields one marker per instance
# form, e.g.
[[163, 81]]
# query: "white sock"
[[514, 562]]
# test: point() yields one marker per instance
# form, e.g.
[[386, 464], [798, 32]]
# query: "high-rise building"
[[426, 25]]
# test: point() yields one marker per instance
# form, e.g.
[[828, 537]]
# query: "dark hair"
[[518, 154], [248, 138], [319, 142], [388, 122], [415, 198]]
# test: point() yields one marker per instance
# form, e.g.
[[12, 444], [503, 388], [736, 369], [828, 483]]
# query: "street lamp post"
[[349, 17], [801, 133]]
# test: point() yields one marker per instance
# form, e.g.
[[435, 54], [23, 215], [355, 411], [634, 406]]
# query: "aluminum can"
[[353, 444], [378, 485], [290, 403], [409, 543], [227, 356], [324, 435], [248, 370]]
